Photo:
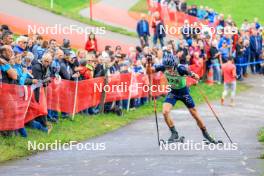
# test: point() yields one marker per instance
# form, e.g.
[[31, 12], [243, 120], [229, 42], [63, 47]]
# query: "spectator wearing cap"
[[91, 44], [66, 70], [4, 28], [66, 46], [143, 30]]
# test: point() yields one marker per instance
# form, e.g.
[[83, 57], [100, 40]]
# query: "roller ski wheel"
[[207, 142]]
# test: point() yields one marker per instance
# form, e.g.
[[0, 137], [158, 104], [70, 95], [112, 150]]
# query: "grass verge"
[[71, 9], [239, 9], [85, 127], [261, 139], [140, 7]]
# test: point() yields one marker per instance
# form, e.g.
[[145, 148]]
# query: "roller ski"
[[174, 138], [210, 140]]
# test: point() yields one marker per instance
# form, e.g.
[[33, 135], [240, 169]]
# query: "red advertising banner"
[[19, 106]]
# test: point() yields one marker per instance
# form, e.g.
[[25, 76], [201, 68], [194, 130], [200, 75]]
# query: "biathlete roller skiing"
[[176, 75]]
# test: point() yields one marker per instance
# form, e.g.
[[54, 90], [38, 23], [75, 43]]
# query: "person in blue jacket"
[[143, 31]]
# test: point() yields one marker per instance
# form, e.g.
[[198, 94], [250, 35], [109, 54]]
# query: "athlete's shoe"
[[209, 138], [174, 136]]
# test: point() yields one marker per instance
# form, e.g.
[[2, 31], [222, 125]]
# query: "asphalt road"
[[133, 150]]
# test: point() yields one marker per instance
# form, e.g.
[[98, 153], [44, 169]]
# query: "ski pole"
[[156, 117], [217, 118]]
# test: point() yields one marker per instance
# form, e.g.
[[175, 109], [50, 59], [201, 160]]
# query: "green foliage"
[[140, 6], [238, 9]]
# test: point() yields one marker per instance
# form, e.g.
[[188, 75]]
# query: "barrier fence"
[[19, 106]]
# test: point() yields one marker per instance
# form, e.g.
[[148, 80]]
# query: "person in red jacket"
[[91, 44], [85, 72]]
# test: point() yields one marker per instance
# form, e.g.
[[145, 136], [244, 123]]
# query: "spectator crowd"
[[31, 59]]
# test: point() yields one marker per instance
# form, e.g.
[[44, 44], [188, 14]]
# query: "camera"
[[149, 58]]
